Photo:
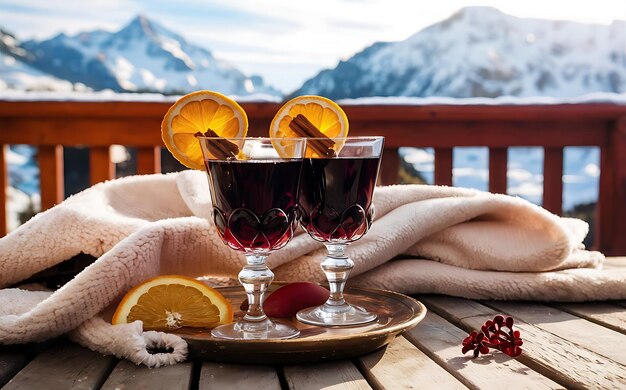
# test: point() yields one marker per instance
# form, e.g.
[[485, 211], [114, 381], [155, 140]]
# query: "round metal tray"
[[396, 314]]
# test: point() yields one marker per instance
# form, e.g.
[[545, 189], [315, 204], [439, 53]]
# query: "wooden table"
[[579, 345]]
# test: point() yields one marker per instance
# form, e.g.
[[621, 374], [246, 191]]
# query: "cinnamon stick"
[[219, 147], [323, 145]]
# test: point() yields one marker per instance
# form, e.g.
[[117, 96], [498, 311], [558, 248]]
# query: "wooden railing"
[[98, 125]]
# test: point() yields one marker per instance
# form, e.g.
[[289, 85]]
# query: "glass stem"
[[337, 267], [255, 278]]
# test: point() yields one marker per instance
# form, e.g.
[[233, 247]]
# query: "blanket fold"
[[453, 241]]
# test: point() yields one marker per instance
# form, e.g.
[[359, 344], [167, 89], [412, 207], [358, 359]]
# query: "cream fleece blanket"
[[458, 242]]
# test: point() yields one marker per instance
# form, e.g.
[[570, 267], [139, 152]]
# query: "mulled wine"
[[254, 202], [336, 208], [254, 186], [336, 197]]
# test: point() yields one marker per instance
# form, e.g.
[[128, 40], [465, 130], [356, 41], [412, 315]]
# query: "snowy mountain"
[[142, 56], [480, 51], [16, 73]]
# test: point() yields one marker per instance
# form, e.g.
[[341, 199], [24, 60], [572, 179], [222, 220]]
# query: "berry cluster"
[[493, 335]]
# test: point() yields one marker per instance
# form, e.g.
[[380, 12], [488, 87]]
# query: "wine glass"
[[254, 192], [336, 209]]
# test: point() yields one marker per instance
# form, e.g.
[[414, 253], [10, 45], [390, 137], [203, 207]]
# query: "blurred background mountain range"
[[477, 52]]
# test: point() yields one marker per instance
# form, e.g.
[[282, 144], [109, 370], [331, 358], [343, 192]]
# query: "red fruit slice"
[[289, 299]]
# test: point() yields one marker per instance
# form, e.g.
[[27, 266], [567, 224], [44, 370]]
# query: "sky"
[[284, 41]]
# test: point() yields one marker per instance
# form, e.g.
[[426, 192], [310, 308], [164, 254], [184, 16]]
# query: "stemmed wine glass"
[[336, 208], [255, 199]]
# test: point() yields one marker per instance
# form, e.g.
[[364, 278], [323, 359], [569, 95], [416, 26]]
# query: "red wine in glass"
[[254, 202], [336, 197], [254, 192], [336, 208]]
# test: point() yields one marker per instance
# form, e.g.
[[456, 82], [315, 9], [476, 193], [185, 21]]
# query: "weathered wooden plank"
[[579, 331], [610, 315], [100, 166], [498, 158], [127, 375], [51, 179], [402, 366], [233, 376], [63, 366], [4, 184], [389, 166], [10, 364], [148, 160], [561, 360], [443, 166], [553, 180], [332, 375], [442, 341]]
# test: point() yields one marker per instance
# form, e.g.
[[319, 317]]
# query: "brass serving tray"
[[396, 314]]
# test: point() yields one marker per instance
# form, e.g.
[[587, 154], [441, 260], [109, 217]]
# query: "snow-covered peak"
[[480, 51], [143, 56], [140, 27]]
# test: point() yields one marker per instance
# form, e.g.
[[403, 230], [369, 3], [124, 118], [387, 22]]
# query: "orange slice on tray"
[[197, 112], [321, 112], [173, 301]]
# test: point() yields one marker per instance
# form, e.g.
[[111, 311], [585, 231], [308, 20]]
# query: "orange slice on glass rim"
[[197, 112], [322, 112], [173, 301]]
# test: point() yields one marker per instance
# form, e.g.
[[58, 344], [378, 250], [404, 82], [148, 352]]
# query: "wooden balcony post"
[[101, 168], [443, 166], [4, 186], [51, 178], [389, 167], [611, 211], [498, 158], [553, 180], [148, 160]]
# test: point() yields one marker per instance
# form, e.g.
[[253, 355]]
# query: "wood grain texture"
[[127, 375], [607, 314], [402, 366], [579, 331], [63, 366], [10, 364], [442, 341], [51, 180], [232, 376], [329, 376], [559, 359]]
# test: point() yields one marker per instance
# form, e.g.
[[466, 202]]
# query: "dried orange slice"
[[173, 301], [323, 113], [197, 112]]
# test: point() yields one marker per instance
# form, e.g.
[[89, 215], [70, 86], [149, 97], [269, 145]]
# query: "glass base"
[[343, 315], [247, 330]]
